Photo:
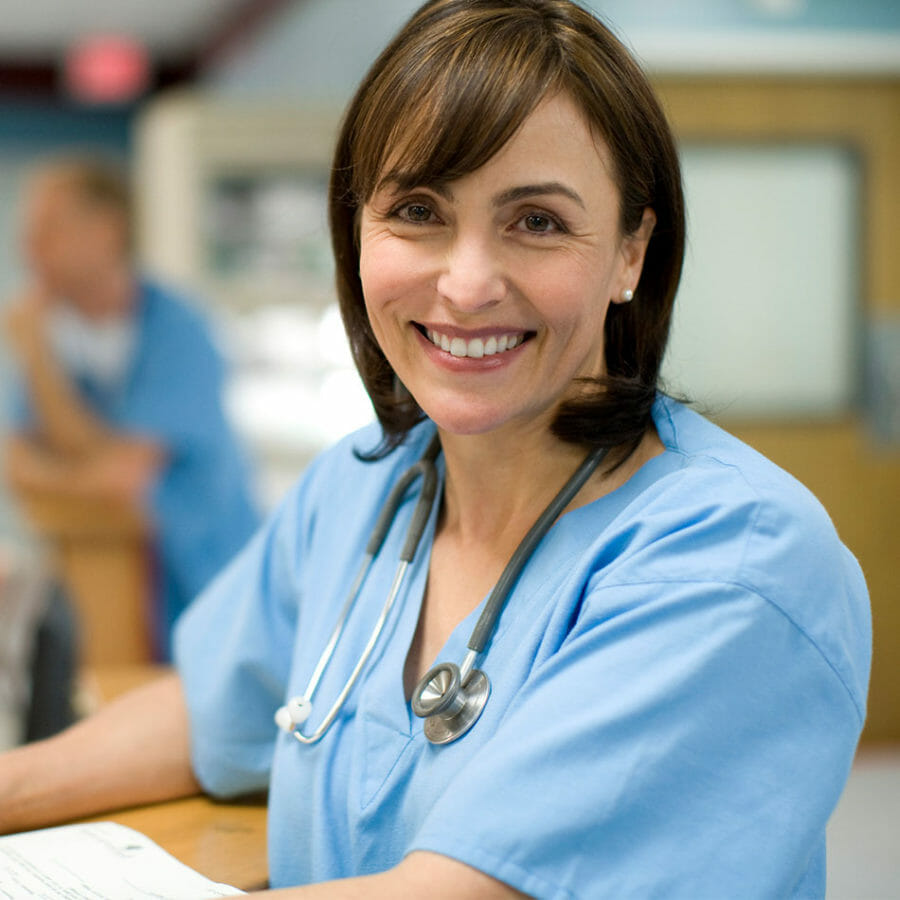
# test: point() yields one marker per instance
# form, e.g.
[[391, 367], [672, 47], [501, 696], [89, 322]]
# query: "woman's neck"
[[498, 484]]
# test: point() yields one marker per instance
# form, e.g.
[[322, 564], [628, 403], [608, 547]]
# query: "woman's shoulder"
[[716, 471], [720, 515], [769, 529], [703, 445]]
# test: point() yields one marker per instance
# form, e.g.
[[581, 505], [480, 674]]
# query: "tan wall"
[[858, 482]]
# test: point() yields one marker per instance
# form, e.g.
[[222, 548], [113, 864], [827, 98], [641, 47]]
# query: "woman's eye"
[[538, 223], [415, 212]]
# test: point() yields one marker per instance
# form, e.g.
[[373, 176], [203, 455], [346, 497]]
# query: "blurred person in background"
[[121, 395]]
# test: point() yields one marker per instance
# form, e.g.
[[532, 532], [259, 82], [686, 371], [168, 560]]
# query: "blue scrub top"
[[172, 395], [678, 685]]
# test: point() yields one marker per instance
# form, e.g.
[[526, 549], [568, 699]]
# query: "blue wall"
[[49, 126], [858, 15]]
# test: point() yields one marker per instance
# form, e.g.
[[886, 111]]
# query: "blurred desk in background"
[[101, 683], [101, 554]]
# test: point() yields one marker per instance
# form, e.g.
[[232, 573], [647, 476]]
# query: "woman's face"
[[488, 294]]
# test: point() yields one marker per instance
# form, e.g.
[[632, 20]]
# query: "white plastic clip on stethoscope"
[[449, 697]]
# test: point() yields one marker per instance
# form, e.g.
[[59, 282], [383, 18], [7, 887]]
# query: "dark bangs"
[[446, 110]]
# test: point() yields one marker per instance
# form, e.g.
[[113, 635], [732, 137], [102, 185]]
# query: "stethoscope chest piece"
[[450, 708]]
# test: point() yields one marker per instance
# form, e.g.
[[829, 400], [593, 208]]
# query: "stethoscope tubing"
[[487, 621], [447, 715], [425, 469], [317, 735]]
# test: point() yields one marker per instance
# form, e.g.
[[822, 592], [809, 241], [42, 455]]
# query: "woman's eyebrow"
[[523, 192], [397, 181]]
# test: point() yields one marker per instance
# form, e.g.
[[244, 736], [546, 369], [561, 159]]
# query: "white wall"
[[768, 317]]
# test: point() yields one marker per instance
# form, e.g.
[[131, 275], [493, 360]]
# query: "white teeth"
[[477, 347]]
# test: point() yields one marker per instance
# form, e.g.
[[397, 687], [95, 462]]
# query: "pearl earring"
[[627, 295]]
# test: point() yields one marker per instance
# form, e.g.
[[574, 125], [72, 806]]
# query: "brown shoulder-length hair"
[[445, 95]]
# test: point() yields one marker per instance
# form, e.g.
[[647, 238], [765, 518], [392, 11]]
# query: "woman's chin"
[[466, 419]]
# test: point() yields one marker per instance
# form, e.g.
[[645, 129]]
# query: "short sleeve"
[[233, 649], [687, 740]]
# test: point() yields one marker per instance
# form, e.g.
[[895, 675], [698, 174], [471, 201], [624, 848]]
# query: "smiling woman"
[[664, 644], [523, 256]]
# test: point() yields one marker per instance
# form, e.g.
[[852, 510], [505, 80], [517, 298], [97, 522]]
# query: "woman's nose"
[[472, 277]]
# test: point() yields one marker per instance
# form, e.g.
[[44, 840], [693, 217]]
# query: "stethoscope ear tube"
[[425, 468], [487, 621], [421, 512]]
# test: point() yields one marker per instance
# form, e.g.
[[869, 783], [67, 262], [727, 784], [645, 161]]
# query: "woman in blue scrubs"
[[679, 674]]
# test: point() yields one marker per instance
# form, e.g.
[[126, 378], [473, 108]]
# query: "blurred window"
[[768, 317], [295, 389]]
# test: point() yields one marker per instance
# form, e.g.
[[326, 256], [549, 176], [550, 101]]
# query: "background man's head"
[[77, 226]]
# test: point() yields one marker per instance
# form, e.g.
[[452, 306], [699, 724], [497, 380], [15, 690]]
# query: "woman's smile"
[[486, 343]]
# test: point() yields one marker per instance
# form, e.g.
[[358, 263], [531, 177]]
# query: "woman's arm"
[[419, 875], [135, 750]]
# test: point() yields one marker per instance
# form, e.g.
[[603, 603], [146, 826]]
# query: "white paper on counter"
[[98, 861]]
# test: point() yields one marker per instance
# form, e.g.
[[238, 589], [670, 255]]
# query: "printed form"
[[101, 861]]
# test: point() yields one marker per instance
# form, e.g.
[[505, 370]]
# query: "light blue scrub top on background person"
[[678, 684], [171, 393]]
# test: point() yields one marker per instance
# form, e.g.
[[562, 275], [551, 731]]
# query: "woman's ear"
[[634, 249]]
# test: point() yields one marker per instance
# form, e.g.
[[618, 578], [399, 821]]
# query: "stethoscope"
[[449, 697]]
